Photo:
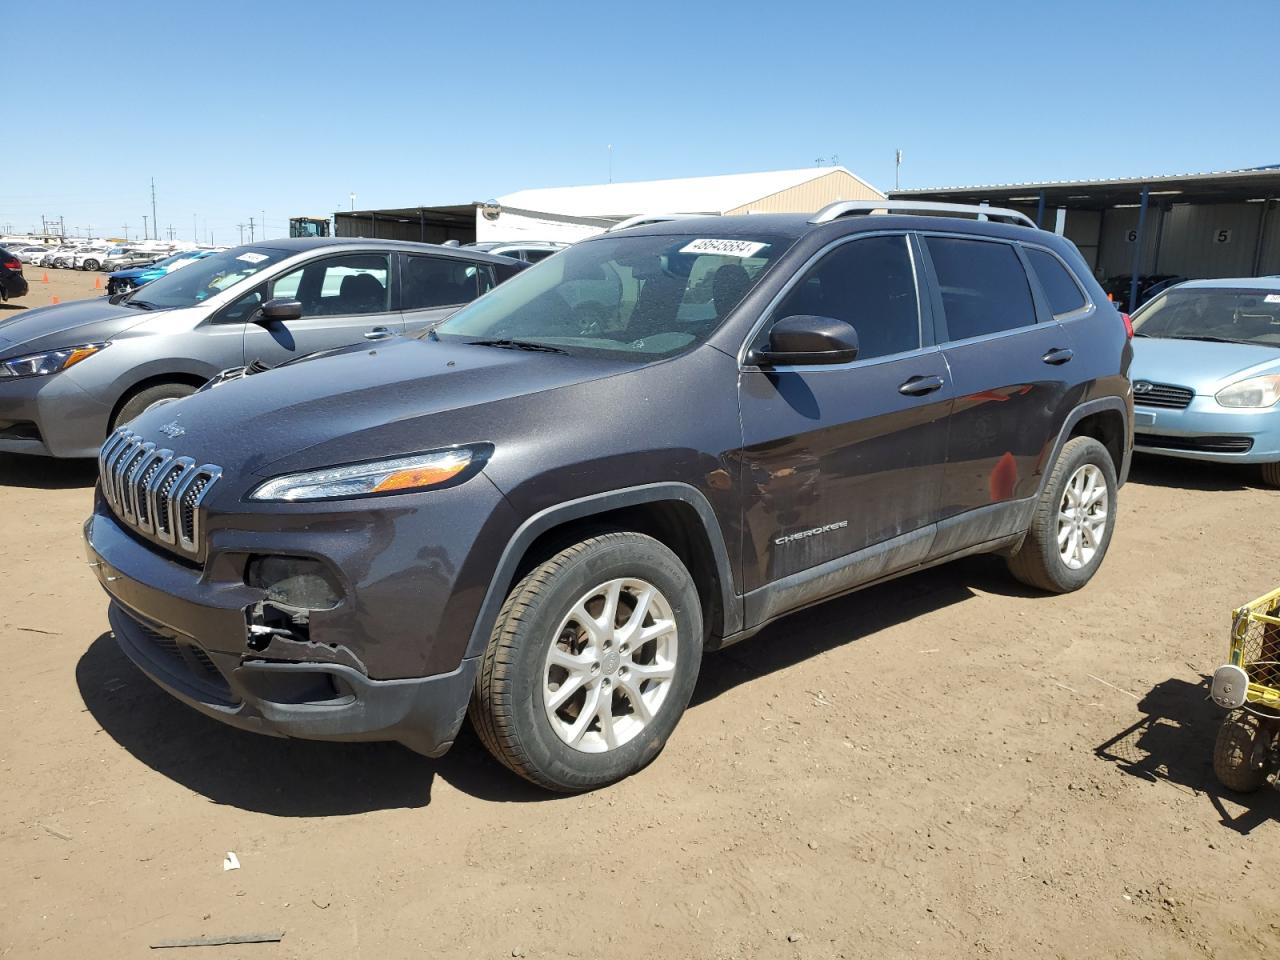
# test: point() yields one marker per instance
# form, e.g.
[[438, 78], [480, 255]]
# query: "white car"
[[89, 258], [29, 254]]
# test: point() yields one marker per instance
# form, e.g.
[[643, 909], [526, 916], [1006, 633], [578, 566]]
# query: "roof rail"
[[641, 219], [844, 208]]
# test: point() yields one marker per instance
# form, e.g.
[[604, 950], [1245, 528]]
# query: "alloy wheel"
[[1082, 516], [610, 666]]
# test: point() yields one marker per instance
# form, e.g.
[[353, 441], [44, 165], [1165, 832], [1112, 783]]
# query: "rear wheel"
[[1271, 474], [1234, 753], [591, 663], [1073, 522], [149, 397], [91, 264]]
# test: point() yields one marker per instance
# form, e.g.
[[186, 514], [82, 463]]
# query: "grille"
[[1195, 444], [154, 491], [1147, 394]]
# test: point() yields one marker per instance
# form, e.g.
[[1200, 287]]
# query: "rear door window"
[[1062, 290], [442, 282], [983, 286]]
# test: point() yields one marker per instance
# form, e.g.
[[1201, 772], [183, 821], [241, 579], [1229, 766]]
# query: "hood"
[[65, 325], [1202, 365], [390, 399], [133, 273]]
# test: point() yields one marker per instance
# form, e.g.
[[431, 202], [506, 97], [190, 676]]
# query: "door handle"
[[1058, 355], [378, 333], [919, 386]]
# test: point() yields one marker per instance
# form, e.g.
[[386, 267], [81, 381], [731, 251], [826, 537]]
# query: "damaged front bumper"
[[193, 636]]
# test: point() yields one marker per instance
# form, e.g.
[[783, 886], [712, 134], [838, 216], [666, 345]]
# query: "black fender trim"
[[1088, 408], [599, 503]]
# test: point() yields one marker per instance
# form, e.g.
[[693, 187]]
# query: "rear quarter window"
[[1062, 290]]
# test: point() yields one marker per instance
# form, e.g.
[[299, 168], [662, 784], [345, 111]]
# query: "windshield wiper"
[[518, 345], [1207, 339], [140, 304]]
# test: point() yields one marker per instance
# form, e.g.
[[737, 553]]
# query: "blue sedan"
[[1206, 373], [125, 280]]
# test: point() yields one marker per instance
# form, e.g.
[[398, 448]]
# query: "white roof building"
[[572, 213]]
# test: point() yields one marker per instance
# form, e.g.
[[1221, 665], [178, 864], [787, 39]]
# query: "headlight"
[[424, 471], [51, 361], [1254, 392]]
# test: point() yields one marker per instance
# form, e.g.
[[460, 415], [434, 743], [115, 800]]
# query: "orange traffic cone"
[[97, 283], [56, 300], [46, 277]]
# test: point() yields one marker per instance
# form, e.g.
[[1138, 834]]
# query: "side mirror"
[[279, 309], [805, 339]]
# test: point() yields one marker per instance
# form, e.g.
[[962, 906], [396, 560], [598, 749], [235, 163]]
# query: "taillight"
[[1128, 325], [13, 265]]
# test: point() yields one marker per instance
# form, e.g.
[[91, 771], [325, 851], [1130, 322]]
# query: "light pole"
[[353, 203]]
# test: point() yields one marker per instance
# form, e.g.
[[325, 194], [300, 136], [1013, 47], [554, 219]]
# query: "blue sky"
[[287, 107]]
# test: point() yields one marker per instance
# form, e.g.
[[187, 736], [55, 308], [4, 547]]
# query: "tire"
[[147, 398], [90, 265], [1039, 562], [508, 707], [1271, 474], [1233, 753]]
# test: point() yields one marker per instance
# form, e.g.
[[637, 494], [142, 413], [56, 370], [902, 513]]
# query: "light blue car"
[[1206, 373]]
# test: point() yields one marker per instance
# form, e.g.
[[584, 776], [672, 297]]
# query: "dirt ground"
[[946, 766], [63, 284]]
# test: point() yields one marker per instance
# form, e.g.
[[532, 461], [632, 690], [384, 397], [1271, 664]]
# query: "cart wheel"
[[1233, 753]]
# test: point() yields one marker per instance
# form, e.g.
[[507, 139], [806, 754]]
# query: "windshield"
[[634, 297], [200, 279], [1213, 313]]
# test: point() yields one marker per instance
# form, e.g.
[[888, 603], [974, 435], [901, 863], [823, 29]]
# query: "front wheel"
[[591, 663], [1271, 474], [149, 397], [1074, 519], [90, 265]]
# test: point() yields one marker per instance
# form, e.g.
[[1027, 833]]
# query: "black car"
[[12, 282], [545, 510]]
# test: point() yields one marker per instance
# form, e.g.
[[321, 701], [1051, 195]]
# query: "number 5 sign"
[[1222, 236]]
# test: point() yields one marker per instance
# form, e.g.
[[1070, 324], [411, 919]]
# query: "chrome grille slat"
[[155, 492]]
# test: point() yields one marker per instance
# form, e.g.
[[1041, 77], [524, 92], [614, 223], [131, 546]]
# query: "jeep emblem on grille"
[[1142, 386], [172, 430]]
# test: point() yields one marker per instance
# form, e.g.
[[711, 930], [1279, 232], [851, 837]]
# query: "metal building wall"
[[379, 228], [1189, 240], [812, 196]]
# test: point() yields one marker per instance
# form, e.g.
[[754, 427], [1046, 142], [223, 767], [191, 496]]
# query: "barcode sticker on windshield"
[[1271, 298], [252, 257], [725, 248]]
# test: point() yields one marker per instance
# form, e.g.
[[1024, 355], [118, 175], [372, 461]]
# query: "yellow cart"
[[1247, 753]]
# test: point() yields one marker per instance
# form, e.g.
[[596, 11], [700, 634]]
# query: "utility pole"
[[251, 229], [171, 231], [897, 168], [195, 234], [154, 222], [240, 227], [126, 233], [611, 163], [146, 234], [264, 224], [62, 226], [44, 227]]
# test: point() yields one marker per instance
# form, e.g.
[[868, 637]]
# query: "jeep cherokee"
[[545, 510]]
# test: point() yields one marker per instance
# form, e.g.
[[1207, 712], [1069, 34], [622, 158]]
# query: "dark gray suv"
[[543, 512]]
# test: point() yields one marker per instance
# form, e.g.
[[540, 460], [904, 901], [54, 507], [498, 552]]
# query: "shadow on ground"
[[298, 778], [46, 473], [287, 778], [1156, 471], [1174, 742]]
